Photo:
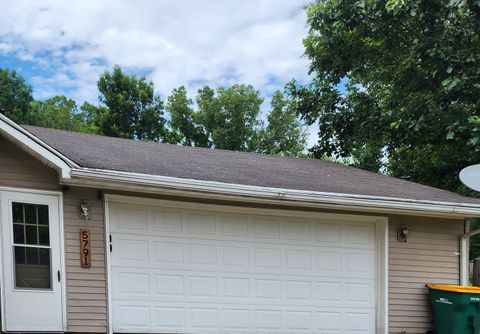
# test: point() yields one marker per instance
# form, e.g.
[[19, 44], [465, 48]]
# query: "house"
[[104, 235]]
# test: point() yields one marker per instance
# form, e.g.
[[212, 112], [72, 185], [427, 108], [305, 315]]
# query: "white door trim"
[[381, 234], [61, 245]]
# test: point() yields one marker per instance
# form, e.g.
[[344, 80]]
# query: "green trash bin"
[[455, 308]]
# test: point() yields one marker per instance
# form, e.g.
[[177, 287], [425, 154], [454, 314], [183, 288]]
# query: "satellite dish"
[[470, 176]]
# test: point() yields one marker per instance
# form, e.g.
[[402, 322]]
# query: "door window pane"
[[44, 256], [18, 233], [30, 224], [32, 255], [20, 255], [30, 231], [43, 237], [30, 214], [42, 214], [17, 209], [32, 267]]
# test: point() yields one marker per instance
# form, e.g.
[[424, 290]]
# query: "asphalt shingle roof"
[[125, 155]]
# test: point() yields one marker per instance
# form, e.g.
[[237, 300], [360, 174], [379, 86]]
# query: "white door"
[[174, 269], [32, 299]]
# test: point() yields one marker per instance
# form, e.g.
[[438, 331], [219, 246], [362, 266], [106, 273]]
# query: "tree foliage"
[[59, 112], [15, 96], [230, 116], [284, 134], [183, 119], [132, 108], [412, 102]]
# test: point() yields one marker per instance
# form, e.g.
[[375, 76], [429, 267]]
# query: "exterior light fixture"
[[84, 210], [402, 233]]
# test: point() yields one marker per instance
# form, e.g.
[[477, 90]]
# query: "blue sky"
[[60, 47]]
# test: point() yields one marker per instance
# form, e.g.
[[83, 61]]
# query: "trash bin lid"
[[454, 288]]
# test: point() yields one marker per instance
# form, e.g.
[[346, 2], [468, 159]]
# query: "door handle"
[[58, 275]]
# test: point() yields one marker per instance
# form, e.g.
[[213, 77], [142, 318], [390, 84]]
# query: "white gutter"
[[139, 182]]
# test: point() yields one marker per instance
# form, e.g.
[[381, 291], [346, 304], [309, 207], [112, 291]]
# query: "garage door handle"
[[58, 275]]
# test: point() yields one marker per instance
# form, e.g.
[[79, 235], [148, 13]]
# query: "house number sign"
[[85, 248]]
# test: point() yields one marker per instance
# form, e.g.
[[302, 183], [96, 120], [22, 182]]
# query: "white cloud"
[[175, 42], [185, 42]]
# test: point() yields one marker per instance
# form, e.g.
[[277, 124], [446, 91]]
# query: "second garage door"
[[213, 270]]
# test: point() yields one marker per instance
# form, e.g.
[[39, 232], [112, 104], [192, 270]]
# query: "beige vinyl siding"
[[86, 287], [431, 254], [20, 170]]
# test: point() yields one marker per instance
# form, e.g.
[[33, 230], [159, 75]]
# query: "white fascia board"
[[35, 147], [137, 182]]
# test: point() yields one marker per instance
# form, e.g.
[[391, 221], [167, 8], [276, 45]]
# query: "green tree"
[[15, 96], [59, 112], [230, 116], [284, 134], [132, 108], [183, 116], [94, 116], [411, 104]]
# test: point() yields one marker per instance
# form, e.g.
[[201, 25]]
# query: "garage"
[[194, 268]]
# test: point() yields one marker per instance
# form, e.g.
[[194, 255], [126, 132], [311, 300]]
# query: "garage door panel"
[[204, 271], [178, 286], [291, 241], [267, 259], [201, 224], [136, 251], [201, 255], [196, 317], [130, 217], [128, 284], [132, 316], [168, 285], [234, 227], [358, 235], [167, 252], [298, 231], [132, 250], [166, 221]]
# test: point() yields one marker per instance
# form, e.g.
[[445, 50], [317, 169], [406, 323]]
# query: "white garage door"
[[196, 271]]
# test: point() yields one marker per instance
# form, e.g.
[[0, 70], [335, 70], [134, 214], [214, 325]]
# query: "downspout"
[[464, 240], [464, 252]]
